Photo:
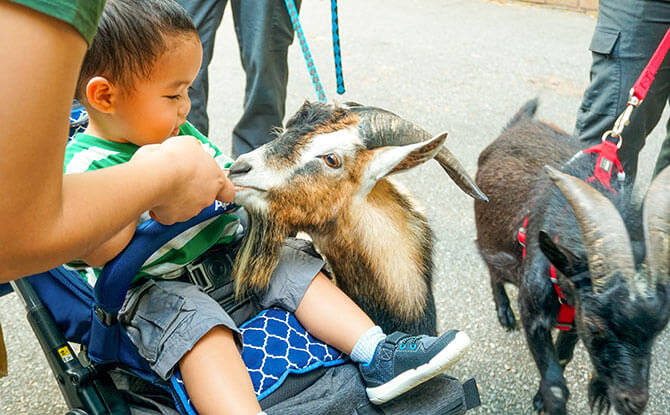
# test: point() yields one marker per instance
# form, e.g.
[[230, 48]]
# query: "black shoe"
[[402, 362]]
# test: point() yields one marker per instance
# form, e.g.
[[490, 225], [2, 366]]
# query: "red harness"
[[606, 159], [566, 312]]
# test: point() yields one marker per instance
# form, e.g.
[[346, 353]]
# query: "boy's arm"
[[47, 219]]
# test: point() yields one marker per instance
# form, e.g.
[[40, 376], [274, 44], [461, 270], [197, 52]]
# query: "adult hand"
[[196, 179]]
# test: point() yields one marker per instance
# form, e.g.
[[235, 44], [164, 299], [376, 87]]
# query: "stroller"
[[290, 370]]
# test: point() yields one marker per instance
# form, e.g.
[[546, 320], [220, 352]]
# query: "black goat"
[[620, 295]]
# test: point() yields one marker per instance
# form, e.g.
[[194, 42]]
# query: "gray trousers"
[[264, 33], [626, 35]]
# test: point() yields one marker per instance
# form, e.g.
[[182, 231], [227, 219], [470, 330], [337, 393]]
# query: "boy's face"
[[155, 107]]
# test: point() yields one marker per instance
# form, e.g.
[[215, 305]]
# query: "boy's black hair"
[[130, 37]]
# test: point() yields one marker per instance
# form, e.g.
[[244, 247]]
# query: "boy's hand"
[[195, 179]]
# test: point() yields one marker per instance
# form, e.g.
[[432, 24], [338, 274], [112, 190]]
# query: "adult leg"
[[624, 40], [206, 15], [264, 33], [663, 159]]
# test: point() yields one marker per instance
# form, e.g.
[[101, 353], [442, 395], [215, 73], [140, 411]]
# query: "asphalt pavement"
[[464, 66]]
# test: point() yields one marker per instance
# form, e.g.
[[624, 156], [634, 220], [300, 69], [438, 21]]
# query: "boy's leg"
[[390, 365], [345, 322], [173, 323], [215, 376], [298, 285]]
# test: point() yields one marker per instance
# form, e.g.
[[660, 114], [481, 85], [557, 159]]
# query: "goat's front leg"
[[565, 346], [505, 313], [537, 307]]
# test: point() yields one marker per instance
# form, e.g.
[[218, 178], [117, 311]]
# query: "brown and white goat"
[[326, 175], [621, 296]]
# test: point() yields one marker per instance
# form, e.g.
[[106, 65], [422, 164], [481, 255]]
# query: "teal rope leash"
[[336, 48], [311, 67], [293, 13]]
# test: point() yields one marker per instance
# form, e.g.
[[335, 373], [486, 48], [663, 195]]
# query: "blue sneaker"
[[401, 362]]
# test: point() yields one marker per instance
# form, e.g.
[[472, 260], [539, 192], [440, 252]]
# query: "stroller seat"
[[275, 344]]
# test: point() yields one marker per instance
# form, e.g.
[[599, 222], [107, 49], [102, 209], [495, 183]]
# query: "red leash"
[[607, 149], [640, 88]]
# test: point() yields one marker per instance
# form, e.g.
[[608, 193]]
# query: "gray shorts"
[[166, 318]]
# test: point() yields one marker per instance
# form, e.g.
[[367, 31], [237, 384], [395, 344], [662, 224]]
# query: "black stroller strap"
[[471, 394]]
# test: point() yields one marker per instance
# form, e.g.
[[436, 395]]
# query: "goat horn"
[[381, 128], [656, 222], [605, 237]]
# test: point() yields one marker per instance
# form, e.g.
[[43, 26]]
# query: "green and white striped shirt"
[[86, 153]]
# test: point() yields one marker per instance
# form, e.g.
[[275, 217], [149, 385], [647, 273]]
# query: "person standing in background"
[[626, 35], [264, 33]]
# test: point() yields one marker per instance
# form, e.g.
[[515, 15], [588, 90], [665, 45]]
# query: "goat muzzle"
[[238, 168]]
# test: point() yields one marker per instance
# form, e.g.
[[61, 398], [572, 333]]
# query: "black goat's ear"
[[562, 258]]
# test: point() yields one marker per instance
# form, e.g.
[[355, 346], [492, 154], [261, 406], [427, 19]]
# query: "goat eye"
[[593, 328], [332, 160]]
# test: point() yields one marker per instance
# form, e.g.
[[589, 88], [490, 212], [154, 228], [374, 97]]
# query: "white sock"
[[261, 413], [365, 347]]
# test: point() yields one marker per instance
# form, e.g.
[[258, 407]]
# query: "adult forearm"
[[175, 181], [94, 207], [112, 247]]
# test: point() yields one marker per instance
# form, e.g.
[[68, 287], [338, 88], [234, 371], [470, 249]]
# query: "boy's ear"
[[100, 94]]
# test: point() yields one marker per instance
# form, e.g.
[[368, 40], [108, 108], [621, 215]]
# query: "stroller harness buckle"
[[108, 319]]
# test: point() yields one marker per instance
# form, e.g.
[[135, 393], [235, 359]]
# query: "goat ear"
[[562, 258], [388, 160]]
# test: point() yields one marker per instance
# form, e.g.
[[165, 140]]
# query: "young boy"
[[134, 83]]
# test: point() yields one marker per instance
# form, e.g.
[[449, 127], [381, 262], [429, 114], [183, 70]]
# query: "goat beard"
[[259, 254], [598, 398]]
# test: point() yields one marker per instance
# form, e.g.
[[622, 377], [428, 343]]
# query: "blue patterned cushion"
[[275, 345]]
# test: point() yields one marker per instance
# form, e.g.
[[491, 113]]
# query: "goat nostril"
[[239, 167]]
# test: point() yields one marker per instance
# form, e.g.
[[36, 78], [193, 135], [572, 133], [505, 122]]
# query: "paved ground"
[[459, 65]]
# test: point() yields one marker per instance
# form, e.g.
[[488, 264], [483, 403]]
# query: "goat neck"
[[389, 262]]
